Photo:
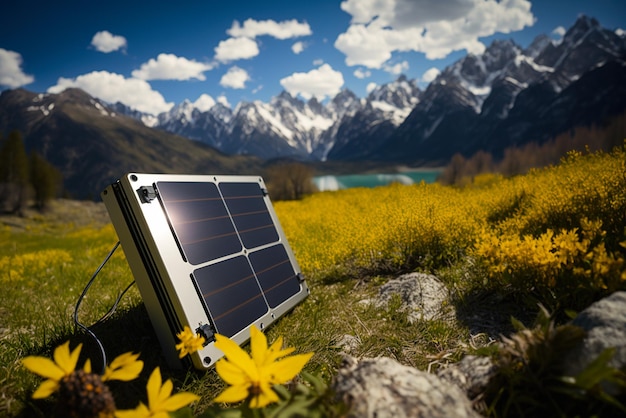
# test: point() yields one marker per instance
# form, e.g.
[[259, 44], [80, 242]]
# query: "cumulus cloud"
[[318, 83], [171, 67], [11, 74], [370, 87], [235, 78], [297, 47], [361, 73], [112, 87], [105, 41], [398, 68], [281, 30], [233, 49], [434, 27], [430, 74], [204, 102], [559, 31]]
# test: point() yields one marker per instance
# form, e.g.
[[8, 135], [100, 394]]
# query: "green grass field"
[[554, 236]]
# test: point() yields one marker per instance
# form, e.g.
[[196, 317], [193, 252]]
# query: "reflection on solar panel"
[[207, 252]]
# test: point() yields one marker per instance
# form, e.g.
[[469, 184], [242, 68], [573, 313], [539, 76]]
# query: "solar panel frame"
[[170, 276]]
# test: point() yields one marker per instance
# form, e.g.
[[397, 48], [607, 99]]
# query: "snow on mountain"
[[476, 89]]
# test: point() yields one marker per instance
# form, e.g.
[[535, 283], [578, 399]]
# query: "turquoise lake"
[[331, 182]]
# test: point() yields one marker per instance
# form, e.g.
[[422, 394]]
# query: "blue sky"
[[153, 55]]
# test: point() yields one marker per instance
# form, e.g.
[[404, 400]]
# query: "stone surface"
[[423, 296], [381, 387], [472, 374], [605, 323]]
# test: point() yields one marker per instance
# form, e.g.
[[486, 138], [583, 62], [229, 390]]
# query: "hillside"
[[93, 146]]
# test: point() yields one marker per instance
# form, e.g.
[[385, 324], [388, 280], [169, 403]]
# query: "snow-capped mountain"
[[505, 96]]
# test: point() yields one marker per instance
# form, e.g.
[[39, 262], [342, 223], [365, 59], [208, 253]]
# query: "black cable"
[[105, 316]]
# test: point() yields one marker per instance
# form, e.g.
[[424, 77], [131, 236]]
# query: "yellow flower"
[[63, 365], [253, 376], [124, 367], [190, 342], [160, 399]]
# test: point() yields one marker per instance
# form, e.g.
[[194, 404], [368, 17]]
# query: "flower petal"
[[179, 400], [286, 369], [164, 393], [258, 345], [65, 359], [124, 367], [47, 388], [231, 373], [234, 353], [153, 388], [44, 367], [141, 411], [233, 394], [87, 366]]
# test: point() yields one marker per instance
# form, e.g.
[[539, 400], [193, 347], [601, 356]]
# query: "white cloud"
[[318, 62], [370, 87], [112, 87], [11, 74], [204, 102], [223, 100], [171, 67], [235, 78], [433, 27], [398, 68], [297, 47], [319, 83], [559, 31], [235, 49], [105, 41], [430, 74], [360, 73], [281, 30]]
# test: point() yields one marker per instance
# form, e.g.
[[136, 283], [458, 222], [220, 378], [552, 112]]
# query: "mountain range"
[[506, 96]]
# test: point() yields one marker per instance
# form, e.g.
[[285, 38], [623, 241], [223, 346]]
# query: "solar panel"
[[207, 252]]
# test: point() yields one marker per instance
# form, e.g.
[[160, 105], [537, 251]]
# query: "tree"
[[289, 181], [45, 179], [13, 173]]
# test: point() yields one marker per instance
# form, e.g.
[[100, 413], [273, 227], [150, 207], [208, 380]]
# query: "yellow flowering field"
[[557, 232]]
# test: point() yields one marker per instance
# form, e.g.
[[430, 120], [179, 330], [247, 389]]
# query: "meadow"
[[555, 236]]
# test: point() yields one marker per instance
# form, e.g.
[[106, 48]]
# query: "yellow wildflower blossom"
[[252, 377], [63, 365], [190, 342]]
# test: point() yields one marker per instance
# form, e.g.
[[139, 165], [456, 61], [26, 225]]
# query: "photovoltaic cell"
[[199, 219], [276, 275], [252, 219], [231, 293]]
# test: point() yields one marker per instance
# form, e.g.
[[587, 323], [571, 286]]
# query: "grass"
[[348, 244]]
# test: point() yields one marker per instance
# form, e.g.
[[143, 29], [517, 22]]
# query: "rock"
[[605, 323], [472, 374], [348, 343], [381, 387], [423, 296]]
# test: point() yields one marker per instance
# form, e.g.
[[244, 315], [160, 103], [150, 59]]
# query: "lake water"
[[330, 182]]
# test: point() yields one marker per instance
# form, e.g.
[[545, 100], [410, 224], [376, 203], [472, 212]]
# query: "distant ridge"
[[93, 146]]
